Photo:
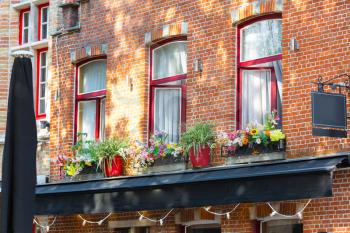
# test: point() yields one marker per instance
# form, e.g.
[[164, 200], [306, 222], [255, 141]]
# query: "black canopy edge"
[[285, 180]]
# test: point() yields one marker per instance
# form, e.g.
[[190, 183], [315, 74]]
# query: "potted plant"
[[256, 139], [198, 141], [82, 164], [111, 154], [160, 156]]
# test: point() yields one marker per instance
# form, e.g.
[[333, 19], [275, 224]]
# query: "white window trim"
[[40, 82]]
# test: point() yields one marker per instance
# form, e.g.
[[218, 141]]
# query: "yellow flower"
[[245, 141], [276, 135], [254, 131]]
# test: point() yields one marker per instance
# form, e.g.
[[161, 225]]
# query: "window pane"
[[102, 118], [26, 19], [256, 96], [42, 90], [170, 60], [44, 31], [92, 77], [44, 15], [167, 112], [43, 59], [25, 36], [43, 75], [87, 118], [42, 106], [261, 39]]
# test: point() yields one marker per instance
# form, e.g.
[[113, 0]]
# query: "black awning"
[[285, 180]]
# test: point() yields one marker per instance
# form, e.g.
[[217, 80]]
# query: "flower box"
[[254, 153], [88, 173], [165, 164], [263, 157]]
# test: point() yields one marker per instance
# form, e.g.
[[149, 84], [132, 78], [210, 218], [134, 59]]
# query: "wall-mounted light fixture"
[[129, 82], [294, 45], [198, 65]]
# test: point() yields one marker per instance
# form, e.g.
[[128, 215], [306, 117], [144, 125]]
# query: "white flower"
[[258, 140]]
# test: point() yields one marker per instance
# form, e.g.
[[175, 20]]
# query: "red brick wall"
[[321, 28]]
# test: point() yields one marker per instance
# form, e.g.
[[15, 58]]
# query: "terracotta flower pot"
[[115, 168], [202, 158]]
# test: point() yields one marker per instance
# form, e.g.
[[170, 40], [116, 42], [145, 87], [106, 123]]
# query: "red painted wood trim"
[[40, 7], [20, 39], [97, 96], [250, 63], [273, 97], [37, 89], [183, 106], [169, 79], [156, 84], [91, 95], [260, 60]]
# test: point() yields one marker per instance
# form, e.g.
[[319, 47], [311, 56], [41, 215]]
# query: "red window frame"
[[97, 96], [162, 83], [246, 65], [40, 8], [37, 89], [20, 39]]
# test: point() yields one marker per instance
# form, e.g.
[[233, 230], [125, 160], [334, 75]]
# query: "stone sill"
[[20, 47], [40, 2], [40, 44], [69, 4], [66, 31], [21, 5]]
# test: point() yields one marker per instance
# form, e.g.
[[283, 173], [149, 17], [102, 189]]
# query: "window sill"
[[20, 47], [69, 4], [66, 31], [40, 44], [21, 5], [40, 2]]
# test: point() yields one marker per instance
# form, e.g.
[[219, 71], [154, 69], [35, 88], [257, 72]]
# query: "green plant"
[[85, 148], [108, 149], [83, 155], [201, 134]]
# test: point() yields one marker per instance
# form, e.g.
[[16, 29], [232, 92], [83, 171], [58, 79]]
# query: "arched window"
[[168, 71], [259, 87], [90, 99]]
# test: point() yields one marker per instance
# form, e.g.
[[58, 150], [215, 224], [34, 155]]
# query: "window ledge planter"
[[88, 173], [166, 164], [255, 154], [263, 157]]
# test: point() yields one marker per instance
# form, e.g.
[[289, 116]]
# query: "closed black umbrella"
[[18, 167]]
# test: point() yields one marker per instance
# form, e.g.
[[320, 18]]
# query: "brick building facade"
[[122, 33], [12, 40]]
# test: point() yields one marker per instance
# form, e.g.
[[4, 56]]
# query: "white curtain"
[[170, 60], [87, 118], [92, 76], [261, 39], [256, 96], [102, 119], [167, 112]]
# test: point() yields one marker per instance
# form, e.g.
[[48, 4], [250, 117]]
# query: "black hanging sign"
[[329, 115]]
